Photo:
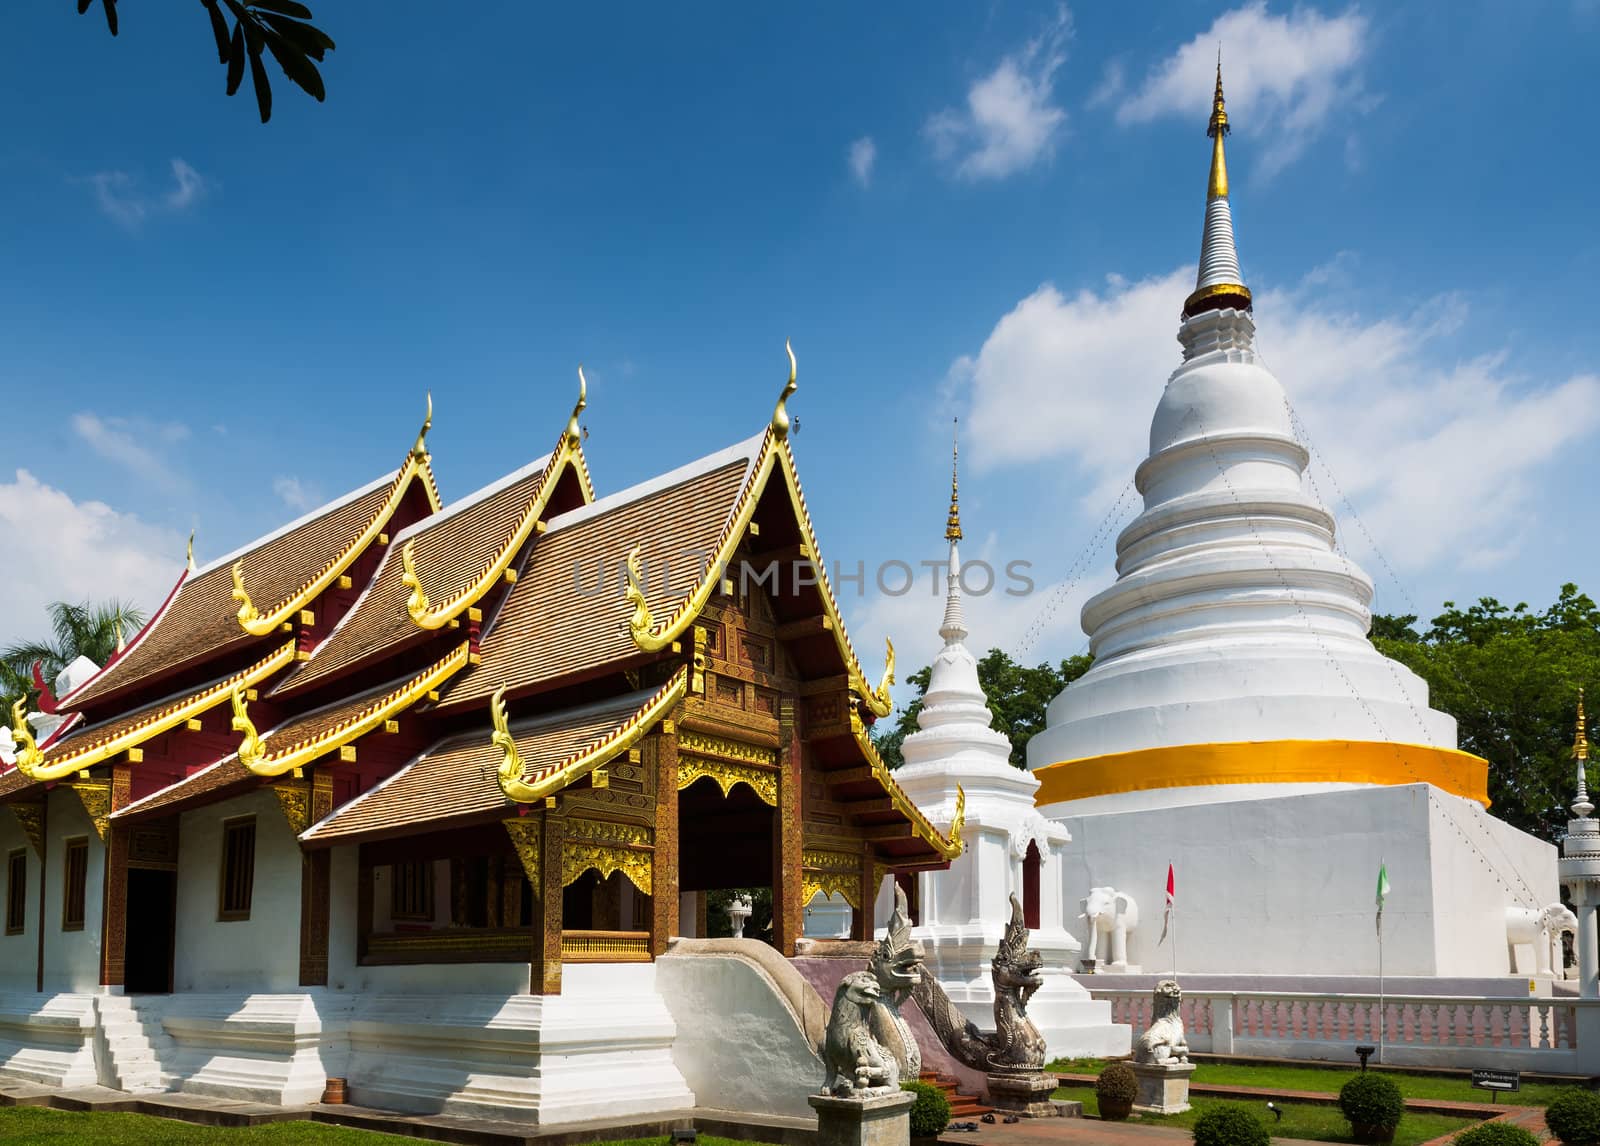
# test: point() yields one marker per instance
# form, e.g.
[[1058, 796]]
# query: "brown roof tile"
[[458, 776], [202, 619], [550, 626], [451, 548]]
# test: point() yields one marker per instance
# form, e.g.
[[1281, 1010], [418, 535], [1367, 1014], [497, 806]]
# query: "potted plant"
[[930, 1113], [1372, 1104], [1115, 1090]]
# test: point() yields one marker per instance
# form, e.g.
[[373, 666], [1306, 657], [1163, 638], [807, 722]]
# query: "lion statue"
[[858, 1065], [1164, 1041]]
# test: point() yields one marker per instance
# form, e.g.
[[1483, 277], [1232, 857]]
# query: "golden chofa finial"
[[1580, 743], [191, 551], [952, 525], [780, 416], [420, 450], [1216, 129], [574, 431]]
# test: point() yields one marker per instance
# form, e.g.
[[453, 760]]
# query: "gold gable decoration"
[[608, 847], [527, 837], [762, 782], [834, 873]]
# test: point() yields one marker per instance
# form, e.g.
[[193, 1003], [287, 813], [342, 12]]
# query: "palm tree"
[[88, 630]]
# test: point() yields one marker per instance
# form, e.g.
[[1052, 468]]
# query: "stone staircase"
[[129, 1045], [963, 1107]]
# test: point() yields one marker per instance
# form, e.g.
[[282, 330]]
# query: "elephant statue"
[[1560, 921], [1110, 915], [1541, 931]]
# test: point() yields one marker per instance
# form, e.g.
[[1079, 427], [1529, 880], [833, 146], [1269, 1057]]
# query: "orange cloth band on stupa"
[[1266, 762]]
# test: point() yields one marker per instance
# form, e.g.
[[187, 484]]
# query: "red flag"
[[1166, 918]]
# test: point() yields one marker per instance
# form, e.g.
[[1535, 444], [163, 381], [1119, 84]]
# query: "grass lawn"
[[1300, 1120], [22, 1125], [1332, 1078]]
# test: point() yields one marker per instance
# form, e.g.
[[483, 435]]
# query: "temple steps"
[[127, 1046], [962, 1106]]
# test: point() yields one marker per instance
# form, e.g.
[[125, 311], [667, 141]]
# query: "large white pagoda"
[[1239, 724]]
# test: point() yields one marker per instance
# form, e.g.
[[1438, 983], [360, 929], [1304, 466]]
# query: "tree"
[[1510, 677], [86, 630], [282, 27], [1018, 696]]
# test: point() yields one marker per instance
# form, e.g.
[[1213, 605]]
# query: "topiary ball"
[[930, 1113], [1373, 1106], [1115, 1090], [1495, 1134], [1230, 1124], [1574, 1117]]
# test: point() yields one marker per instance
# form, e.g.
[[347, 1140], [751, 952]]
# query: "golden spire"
[[574, 431], [952, 525], [1582, 807], [1580, 744], [191, 551], [1216, 129], [780, 416], [420, 450]]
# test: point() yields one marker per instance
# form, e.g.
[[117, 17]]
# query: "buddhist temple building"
[[414, 794], [1238, 724]]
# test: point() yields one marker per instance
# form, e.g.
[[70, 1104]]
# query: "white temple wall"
[[1286, 885], [19, 953], [261, 953], [71, 958]]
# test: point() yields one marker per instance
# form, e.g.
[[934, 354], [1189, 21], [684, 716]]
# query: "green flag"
[[1383, 892]]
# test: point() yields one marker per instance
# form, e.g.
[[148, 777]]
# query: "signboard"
[[1497, 1079]]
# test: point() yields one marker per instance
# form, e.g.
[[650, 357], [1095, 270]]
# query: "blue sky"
[[990, 211]]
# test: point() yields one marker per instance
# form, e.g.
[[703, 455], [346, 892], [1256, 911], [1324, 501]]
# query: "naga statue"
[[858, 1065], [1016, 1046], [897, 966]]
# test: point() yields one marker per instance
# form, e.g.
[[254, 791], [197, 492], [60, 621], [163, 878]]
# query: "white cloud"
[[1285, 76], [1440, 456], [863, 155], [1009, 122], [58, 549], [125, 202], [296, 494], [128, 443]]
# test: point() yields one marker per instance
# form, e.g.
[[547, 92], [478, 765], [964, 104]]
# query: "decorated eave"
[[124, 737], [442, 573], [459, 780], [326, 735], [265, 589]]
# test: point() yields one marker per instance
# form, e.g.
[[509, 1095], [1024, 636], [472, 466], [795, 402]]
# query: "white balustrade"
[[1417, 1030]]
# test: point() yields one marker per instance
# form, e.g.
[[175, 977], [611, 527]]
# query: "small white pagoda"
[[960, 914]]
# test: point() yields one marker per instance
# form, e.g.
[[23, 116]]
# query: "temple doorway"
[[725, 843], [152, 922]]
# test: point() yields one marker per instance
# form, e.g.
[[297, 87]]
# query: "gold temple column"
[[545, 973], [664, 878], [788, 905], [316, 894], [114, 902]]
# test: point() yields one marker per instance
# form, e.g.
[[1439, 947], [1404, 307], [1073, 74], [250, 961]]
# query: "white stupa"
[[956, 760], [1238, 723]]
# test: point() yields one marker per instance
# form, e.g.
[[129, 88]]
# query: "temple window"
[[411, 891], [16, 891], [77, 875], [238, 868], [1030, 886]]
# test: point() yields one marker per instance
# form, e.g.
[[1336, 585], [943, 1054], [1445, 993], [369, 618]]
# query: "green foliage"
[[1230, 1124], [1496, 1134], [281, 27], [1574, 1116], [930, 1113], [1018, 696], [86, 630], [1371, 1100], [758, 926], [1116, 1086], [1510, 677]]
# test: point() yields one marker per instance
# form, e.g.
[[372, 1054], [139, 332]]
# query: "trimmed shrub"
[[1574, 1117], [1495, 1134], [1115, 1090], [1373, 1106], [930, 1113], [1230, 1124]]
